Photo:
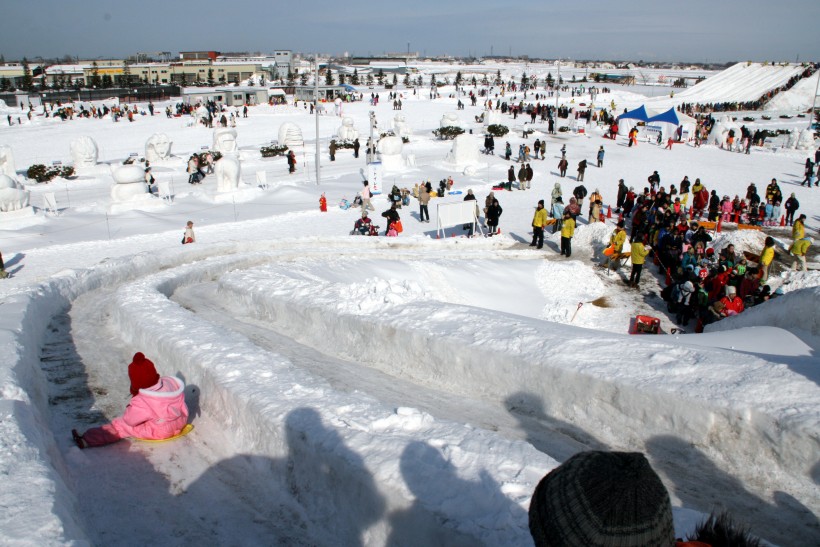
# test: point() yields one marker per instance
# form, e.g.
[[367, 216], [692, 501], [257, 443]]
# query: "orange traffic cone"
[[783, 220], [719, 224], [737, 217], [609, 211]]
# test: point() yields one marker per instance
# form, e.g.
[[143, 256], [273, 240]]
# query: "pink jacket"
[[157, 412]]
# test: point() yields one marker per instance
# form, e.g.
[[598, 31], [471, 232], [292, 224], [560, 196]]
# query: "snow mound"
[[798, 98], [741, 82], [553, 279]]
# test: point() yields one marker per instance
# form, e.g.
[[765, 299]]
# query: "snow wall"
[[745, 442]]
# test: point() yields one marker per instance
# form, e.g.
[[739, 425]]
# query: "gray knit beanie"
[[612, 499]]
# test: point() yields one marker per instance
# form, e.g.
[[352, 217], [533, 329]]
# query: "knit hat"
[[602, 498], [142, 373], [730, 290]]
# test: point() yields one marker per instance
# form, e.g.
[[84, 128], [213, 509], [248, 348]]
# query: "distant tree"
[[5, 84], [303, 79], [597, 77], [126, 72], [95, 75], [369, 79], [432, 80], [292, 77], [407, 79], [328, 77], [183, 80], [341, 78], [573, 77], [524, 80], [380, 77], [222, 79], [107, 82], [28, 81], [498, 77], [420, 81], [474, 82], [485, 80], [395, 79], [458, 78], [355, 79], [210, 76], [560, 80]]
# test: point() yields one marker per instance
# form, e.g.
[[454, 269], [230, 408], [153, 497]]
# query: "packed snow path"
[[217, 450]]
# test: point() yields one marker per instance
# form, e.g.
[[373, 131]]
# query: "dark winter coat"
[[792, 204], [493, 213]]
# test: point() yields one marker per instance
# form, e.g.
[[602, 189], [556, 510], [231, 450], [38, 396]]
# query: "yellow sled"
[[185, 430]]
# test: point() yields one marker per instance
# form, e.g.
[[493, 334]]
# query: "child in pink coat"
[[157, 409]]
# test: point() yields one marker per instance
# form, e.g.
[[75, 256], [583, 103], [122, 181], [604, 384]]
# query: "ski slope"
[[739, 83]]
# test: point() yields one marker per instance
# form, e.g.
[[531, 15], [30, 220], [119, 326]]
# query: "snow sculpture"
[[346, 131], [720, 132], [225, 141], [400, 127], [493, 117], [227, 174], [158, 148], [12, 195], [390, 153], [290, 135], [449, 119], [84, 152], [7, 162], [806, 140], [129, 184], [464, 151]]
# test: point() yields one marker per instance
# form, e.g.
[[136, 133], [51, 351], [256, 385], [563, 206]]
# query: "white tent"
[[667, 124]]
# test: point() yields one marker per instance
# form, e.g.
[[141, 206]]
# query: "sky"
[[697, 31]]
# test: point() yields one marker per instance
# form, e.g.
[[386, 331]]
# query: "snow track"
[[300, 461]]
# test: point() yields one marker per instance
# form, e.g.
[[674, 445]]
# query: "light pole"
[[814, 99], [316, 115]]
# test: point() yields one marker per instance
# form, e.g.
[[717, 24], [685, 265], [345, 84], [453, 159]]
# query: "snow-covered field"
[[371, 391]]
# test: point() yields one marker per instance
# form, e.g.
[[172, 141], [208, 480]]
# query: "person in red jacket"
[[732, 303]]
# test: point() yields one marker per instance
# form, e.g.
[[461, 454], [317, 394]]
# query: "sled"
[[499, 188], [185, 430], [609, 250], [454, 192], [748, 227], [645, 324]]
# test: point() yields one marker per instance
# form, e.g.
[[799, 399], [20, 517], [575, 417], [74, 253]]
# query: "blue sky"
[[694, 30]]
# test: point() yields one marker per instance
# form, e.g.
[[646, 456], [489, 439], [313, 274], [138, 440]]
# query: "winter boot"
[[78, 439]]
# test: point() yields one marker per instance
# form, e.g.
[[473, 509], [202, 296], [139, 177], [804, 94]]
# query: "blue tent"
[[349, 88], [637, 114], [670, 116]]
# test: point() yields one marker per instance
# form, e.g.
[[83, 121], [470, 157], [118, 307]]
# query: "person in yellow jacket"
[[616, 242], [799, 250], [539, 220], [639, 252], [799, 228], [766, 258], [567, 231], [595, 196]]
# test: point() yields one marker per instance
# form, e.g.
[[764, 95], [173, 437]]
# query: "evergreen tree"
[[485, 80], [328, 77], [292, 77], [498, 77], [474, 81], [28, 81], [355, 79], [126, 73], [107, 82], [395, 79], [380, 77], [5, 85], [458, 78], [550, 79], [95, 75], [407, 79], [303, 79], [210, 76], [432, 80], [341, 78], [524, 80], [68, 82], [183, 80], [369, 79]]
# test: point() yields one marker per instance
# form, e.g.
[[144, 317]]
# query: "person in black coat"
[[622, 190], [492, 216], [714, 205], [510, 177], [392, 215], [791, 206]]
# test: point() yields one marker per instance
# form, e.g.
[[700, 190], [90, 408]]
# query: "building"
[[230, 96], [326, 92]]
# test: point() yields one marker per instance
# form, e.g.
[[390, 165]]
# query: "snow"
[[352, 390]]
